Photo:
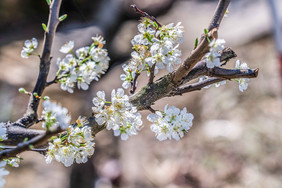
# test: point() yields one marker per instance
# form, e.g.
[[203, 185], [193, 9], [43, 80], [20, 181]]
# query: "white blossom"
[[213, 56], [77, 146], [3, 131], [29, 47], [120, 116], [67, 47], [54, 116], [154, 46], [13, 161], [223, 82], [243, 82], [3, 172], [88, 64], [172, 123]]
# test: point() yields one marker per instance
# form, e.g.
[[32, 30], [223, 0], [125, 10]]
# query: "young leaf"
[[44, 27], [206, 31], [63, 17], [196, 43], [48, 2]]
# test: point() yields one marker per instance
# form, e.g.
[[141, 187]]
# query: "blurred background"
[[236, 137]]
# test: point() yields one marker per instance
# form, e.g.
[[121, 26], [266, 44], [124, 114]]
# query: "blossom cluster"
[[243, 82], [12, 161], [82, 67], [54, 116], [77, 145], [213, 56], [29, 47], [3, 172], [3, 131], [120, 116], [171, 123], [156, 47]]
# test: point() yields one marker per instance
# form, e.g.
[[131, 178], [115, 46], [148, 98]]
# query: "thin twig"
[[201, 69], [52, 82], [151, 109], [30, 116], [28, 145], [195, 86], [152, 74], [133, 84], [145, 14], [219, 14]]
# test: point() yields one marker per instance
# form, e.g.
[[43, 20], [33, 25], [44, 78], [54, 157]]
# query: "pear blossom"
[[81, 68], [13, 161], [54, 116], [29, 47], [67, 47], [172, 123], [213, 56], [3, 172], [154, 46], [243, 82], [120, 116], [76, 146], [3, 131]]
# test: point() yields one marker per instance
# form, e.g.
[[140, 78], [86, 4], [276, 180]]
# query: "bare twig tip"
[[256, 72]]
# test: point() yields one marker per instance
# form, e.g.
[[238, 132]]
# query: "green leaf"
[[25, 140], [196, 43], [31, 146], [44, 27], [63, 17], [48, 2], [206, 31], [156, 25]]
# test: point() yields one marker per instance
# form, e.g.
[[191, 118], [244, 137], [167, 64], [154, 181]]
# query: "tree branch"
[[219, 13], [30, 116], [220, 74], [194, 58], [28, 145], [195, 86]]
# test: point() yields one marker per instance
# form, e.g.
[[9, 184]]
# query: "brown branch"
[[194, 58], [152, 74], [145, 14], [195, 86], [18, 134], [219, 13], [133, 83], [221, 74], [232, 73], [37, 138], [30, 116], [200, 68], [28, 145], [52, 82]]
